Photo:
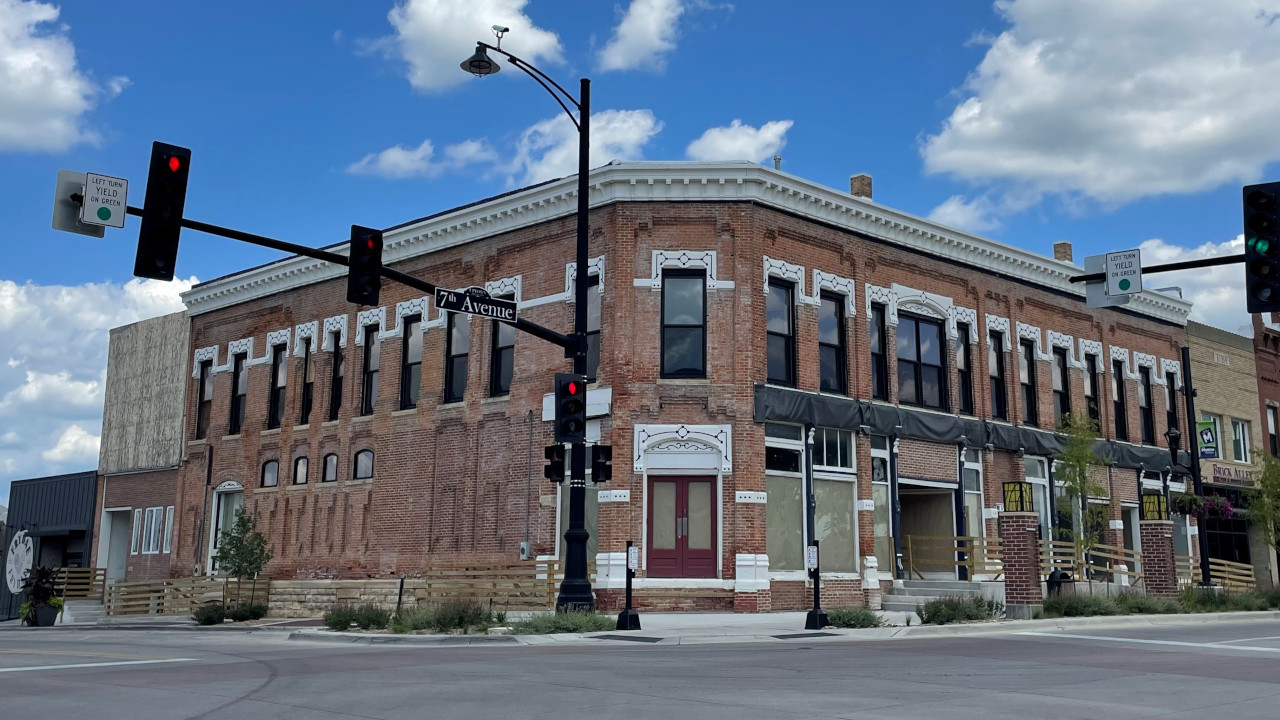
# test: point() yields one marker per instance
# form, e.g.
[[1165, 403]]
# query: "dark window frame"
[[787, 376], [204, 399], [262, 474], [1146, 411], [452, 359], [1093, 405], [840, 349], [324, 468], [410, 370], [595, 310], [1027, 385], [1119, 403], [878, 342], [697, 374], [306, 470], [239, 391], [337, 375], [996, 373], [277, 386], [369, 367], [1171, 400], [500, 386], [308, 381], [1061, 386], [355, 465], [1273, 420], [918, 365], [964, 367]]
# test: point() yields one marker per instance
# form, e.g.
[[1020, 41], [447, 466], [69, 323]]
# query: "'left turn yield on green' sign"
[[105, 200]]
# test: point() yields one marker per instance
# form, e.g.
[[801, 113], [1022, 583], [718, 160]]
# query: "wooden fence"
[[182, 596], [1186, 569], [1232, 576], [977, 555], [80, 583]]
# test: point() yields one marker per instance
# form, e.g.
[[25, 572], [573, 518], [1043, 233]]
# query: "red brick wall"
[[141, 491], [1159, 573], [1021, 559]]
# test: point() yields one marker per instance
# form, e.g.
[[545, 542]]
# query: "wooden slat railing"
[[1112, 562], [978, 555], [1185, 567], [80, 583], [1059, 555], [181, 596], [1232, 576]]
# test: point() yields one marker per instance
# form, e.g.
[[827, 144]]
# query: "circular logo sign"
[[21, 555]]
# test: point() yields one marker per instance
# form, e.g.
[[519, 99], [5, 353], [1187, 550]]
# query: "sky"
[[1113, 124]]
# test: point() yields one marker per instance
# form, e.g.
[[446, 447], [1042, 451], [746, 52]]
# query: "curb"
[[321, 635]]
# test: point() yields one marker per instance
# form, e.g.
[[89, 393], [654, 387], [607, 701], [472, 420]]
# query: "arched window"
[[364, 465], [270, 473], [330, 472], [300, 471]]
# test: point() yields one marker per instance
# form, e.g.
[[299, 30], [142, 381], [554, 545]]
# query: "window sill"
[[272, 431], [225, 438], [330, 423], [501, 398], [362, 481], [198, 443], [298, 486], [452, 405], [403, 413], [361, 418], [304, 426], [327, 484], [273, 488], [684, 381]]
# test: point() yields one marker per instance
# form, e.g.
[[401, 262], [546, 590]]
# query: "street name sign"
[[1124, 272], [105, 200], [476, 301], [66, 212]]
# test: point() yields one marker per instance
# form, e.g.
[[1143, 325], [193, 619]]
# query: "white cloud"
[[1113, 100], [549, 149], [74, 445], [434, 36], [643, 37], [58, 336], [117, 85], [1218, 292], [975, 216], [400, 162], [43, 94], [740, 142]]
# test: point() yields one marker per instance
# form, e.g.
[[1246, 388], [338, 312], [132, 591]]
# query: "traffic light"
[[162, 211], [571, 408], [1261, 248], [554, 471], [601, 470], [363, 275]]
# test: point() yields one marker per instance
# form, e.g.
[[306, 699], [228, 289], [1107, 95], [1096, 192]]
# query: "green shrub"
[[209, 615], [414, 619], [1272, 599], [1079, 606], [959, 608], [340, 618], [1141, 604], [854, 617], [371, 617], [453, 616], [241, 613], [573, 622], [1198, 600]]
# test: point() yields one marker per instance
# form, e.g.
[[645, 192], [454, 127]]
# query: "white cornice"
[[677, 182]]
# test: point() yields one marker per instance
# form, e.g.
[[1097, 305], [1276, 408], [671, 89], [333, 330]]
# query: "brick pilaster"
[[1158, 570], [1020, 541]]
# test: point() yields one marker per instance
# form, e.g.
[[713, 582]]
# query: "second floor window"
[[1171, 399], [239, 388], [270, 473], [308, 381], [593, 327], [1240, 441], [369, 376], [1119, 405], [411, 362], [457, 348], [684, 324], [964, 367], [1272, 440], [922, 374], [1144, 406], [205, 403], [832, 357], [995, 368], [1027, 379], [502, 357], [363, 469], [279, 373], [1061, 386], [300, 471], [337, 377], [329, 473], [1091, 389], [879, 363], [781, 333]]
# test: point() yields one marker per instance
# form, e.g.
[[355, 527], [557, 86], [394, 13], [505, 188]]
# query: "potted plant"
[[42, 609]]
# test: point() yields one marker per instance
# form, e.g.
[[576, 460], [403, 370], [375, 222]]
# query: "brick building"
[[741, 313]]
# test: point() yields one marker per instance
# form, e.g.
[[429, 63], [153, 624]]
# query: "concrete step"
[[896, 603], [930, 592], [940, 585]]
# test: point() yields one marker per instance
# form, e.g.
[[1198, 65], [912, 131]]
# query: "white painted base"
[[752, 574]]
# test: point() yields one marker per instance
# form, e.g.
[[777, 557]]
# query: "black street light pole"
[[1193, 450], [575, 589]]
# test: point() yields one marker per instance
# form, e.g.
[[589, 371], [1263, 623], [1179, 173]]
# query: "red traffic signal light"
[[364, 273], [571, 408], [175, 163], [161, 225]]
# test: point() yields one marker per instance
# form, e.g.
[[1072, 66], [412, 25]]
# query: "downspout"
[[528, 486]]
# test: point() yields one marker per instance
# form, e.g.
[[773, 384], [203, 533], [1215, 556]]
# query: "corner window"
[[279, 373], [411, 362], [456, 351], [781, 338], [1119, 405], [1061, 386], [833, 364], [684, 324], [369, 377], [879, 364], [300, 471], [336, 377], [502, 357], [239, 387], [995, 368], [594, 300], [1027, 379], [921, 371], [205, 403], [308, 381], [363, 465], [964, 367], [330, 471], [1144, 406], [270, 474]]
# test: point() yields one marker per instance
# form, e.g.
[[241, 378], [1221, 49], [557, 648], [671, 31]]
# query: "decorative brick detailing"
[[1021, 543], [798, 594], [1158, 570]]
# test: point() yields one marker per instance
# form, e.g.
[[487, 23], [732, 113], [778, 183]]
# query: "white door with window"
[[226, 501], [117, 526]]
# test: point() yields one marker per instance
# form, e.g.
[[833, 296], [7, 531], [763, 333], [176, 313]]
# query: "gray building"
[[57, 512]]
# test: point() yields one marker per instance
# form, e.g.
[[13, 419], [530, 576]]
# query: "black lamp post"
[[575, 589]]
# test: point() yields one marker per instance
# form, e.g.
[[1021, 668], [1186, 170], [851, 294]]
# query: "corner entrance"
[[682, 527]]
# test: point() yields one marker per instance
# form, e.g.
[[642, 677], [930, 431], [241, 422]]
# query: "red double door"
[[682, 527]]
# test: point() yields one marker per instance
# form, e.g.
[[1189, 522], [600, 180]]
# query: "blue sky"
[[1109, 123]]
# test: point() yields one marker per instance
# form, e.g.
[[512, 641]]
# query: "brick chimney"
[[1062, 251], [860, 186]]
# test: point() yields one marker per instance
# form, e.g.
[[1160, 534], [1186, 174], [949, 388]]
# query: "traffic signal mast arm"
[[1168, 267], [565, 341]]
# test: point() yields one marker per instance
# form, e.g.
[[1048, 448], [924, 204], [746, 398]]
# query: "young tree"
[[1071, 473], [1263, 502], [242, 551]]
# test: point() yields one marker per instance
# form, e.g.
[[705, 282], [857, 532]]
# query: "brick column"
[[1020, 542], [1158, 571]]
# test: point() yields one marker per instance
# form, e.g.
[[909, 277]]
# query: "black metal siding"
[[49, 506]]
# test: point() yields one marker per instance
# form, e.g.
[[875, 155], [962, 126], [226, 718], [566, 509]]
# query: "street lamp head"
[[480, 64], [1174, 436]]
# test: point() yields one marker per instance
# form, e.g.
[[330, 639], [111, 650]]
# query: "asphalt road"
[[1214, 670]]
